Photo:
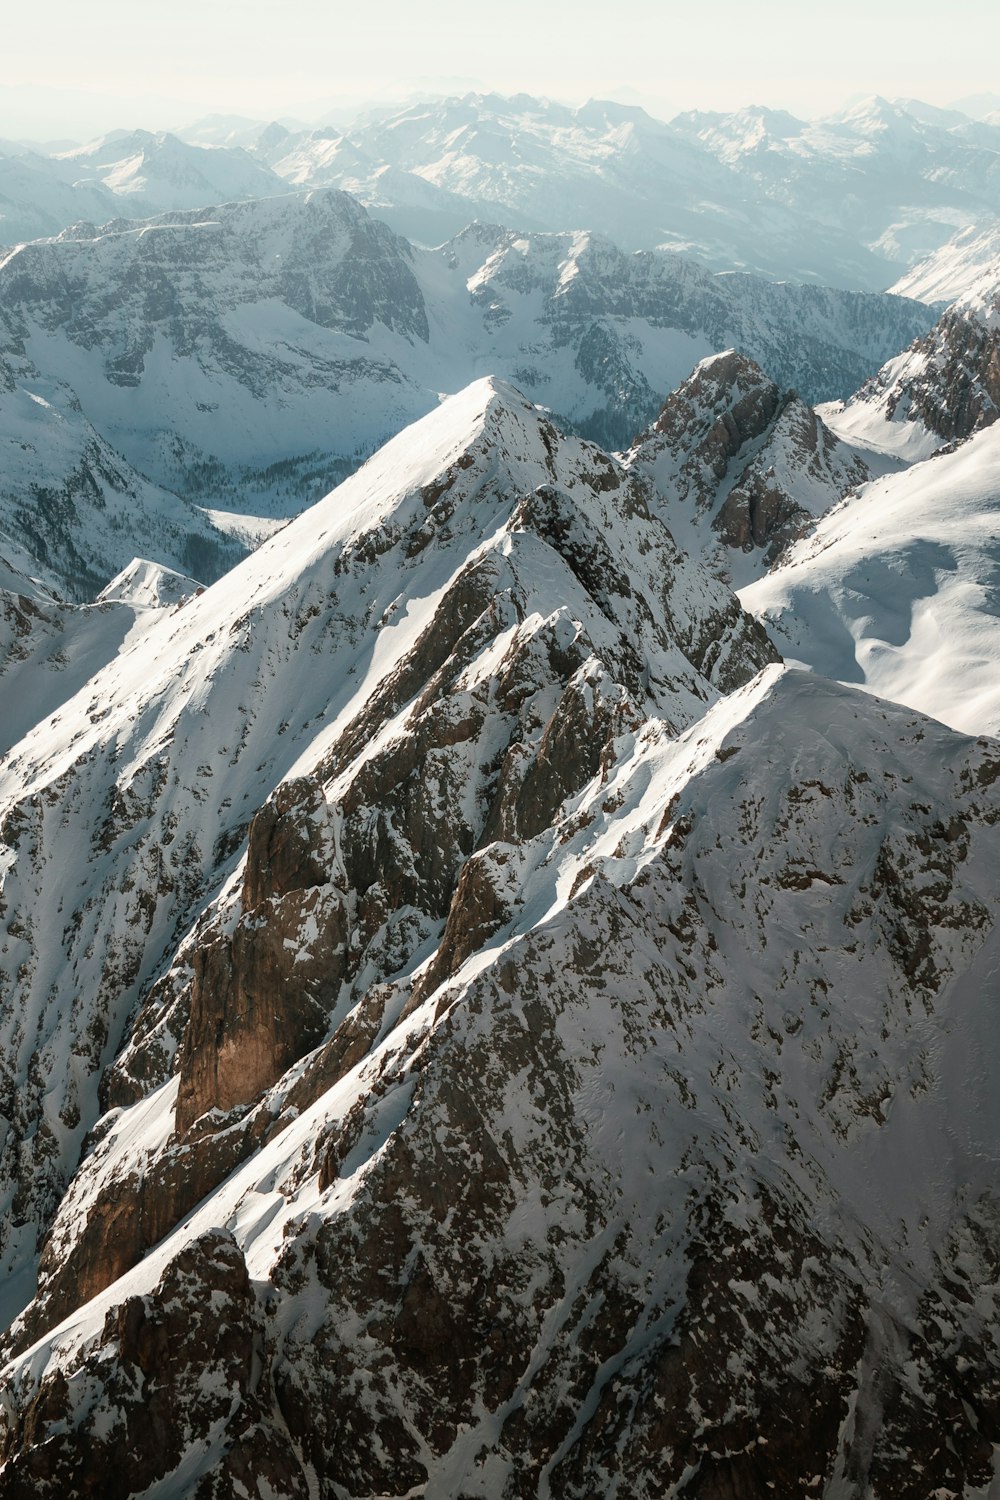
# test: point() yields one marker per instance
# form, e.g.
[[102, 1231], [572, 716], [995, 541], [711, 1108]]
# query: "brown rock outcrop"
[[164, 1371], [261, 998]]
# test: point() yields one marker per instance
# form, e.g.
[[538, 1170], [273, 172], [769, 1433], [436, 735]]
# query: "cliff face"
[[741, 467], [505, 1034]]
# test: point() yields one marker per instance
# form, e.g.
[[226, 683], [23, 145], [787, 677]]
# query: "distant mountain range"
[[244, 358], [852, 200]]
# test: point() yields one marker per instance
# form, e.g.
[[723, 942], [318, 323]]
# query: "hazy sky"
[[68, 66]]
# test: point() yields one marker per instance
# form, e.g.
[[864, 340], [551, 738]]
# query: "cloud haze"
[[114, 62]]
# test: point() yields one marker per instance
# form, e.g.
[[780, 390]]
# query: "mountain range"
[[499, 827], [243, 358], [504, 997], [851, 200]]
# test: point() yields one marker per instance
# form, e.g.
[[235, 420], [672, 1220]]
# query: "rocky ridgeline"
[[942, 390], [449, 644], [508, 1036], [616, 1186]]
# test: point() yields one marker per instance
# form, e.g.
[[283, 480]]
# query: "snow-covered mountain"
[[73, 511], [479, 537], [518, 1047], [532, 164], [50, 649], [36, 199], [903, 174], [226, 130], [474, 1020], [128, 174], [742, 468], [968, 265], [848, 200], [149, 171], [896, 588], [248, 356]]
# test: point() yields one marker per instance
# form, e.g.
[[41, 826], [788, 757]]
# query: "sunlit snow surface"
[[896, 590]]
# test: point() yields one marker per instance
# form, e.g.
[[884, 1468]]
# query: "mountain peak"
[[740, 466], [148, 584]]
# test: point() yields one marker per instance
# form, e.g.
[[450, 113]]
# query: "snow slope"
[[942, 389], [73, 511], [967, 265], [895, 588], [49, 650], [148, 172], [36, 200]]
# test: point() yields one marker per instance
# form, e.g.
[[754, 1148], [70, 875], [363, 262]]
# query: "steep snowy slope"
[[433, 613], [896, 588], [50, 649], [73, 511], [968, 265], [517, 1046], [36, 200], [678, 1176], [742, 468]]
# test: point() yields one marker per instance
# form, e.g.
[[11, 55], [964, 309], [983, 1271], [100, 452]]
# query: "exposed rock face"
[[509, 696], [741, 466], [260, 998], [567, 1084], [152, 1386], [958, 391], [941, 390]]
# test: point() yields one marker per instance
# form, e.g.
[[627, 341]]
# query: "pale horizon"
[[74, 72]]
